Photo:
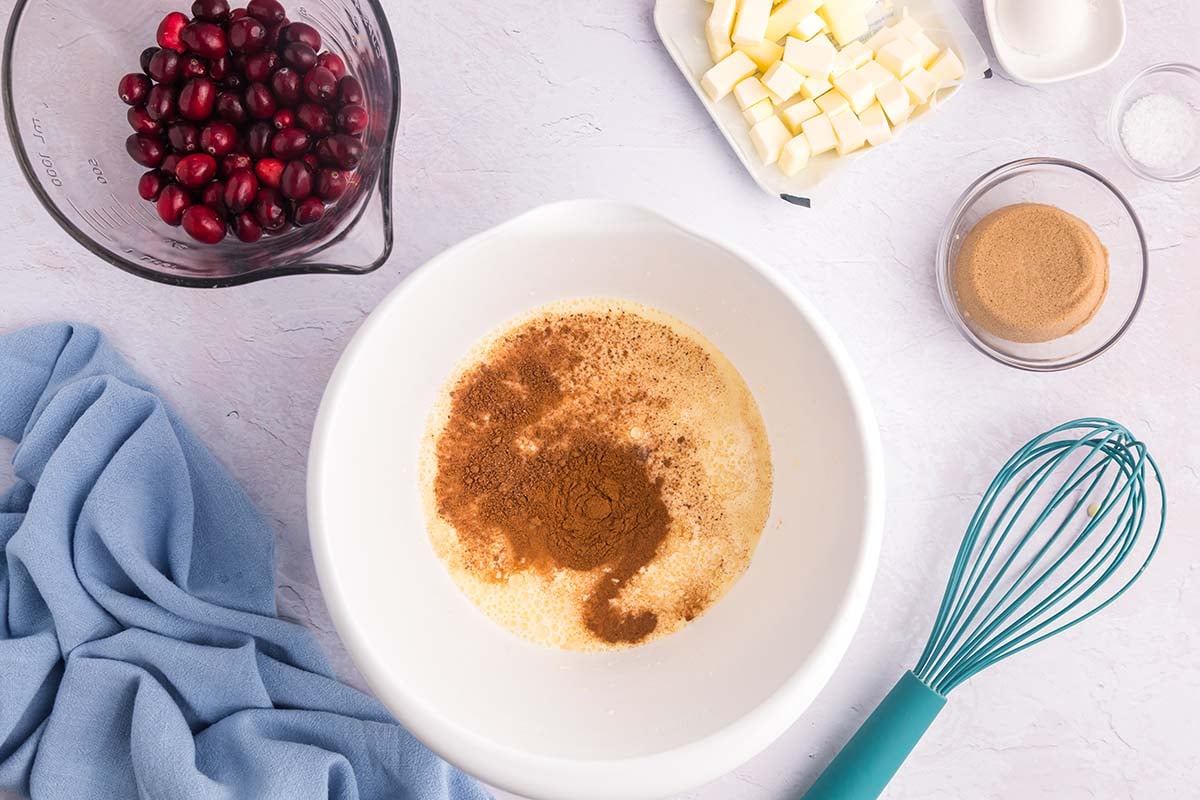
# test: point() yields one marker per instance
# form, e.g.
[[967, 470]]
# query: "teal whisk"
[[1056, 538]]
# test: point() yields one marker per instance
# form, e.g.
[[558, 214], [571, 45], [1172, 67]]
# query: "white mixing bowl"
[[646, 722]]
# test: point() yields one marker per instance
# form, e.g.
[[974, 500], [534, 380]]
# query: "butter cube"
[[847, 19], [877, 40], [858, 90], [849, 131], [813, 59], [946, 68], [758, 112], [876, 74], [787, 15], [899, 57], [925, 47], [833, 102], [783, 81], [749, 92], [719, 28], [820, 135], [920, 85], [875, 123], [893, 98], [858, 53], [727, 73], [763, 53], [794, 156], [794, 115], [809, 27], [752, 18], [842, 63], [906, 27], [769, 137], [814, 88]]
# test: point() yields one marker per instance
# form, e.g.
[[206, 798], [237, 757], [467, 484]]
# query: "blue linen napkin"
[[140, 654]]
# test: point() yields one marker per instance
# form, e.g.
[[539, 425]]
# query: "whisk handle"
[[875, 753]]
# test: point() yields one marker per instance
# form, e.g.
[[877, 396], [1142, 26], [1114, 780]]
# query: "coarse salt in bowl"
[[1154, 124]]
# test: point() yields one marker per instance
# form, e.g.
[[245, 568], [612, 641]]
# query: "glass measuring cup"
[[62, 62]]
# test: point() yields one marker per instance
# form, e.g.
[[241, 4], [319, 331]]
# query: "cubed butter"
[[906, 27], [794, 156], [763, 53], [719, 28], [769, 137], [749, 92], [795, 114], [849, 131], [814, 88], [899, 57], [875, 123], [833, 102], [783, 81], [858, 53], [894, 99], [925, 47], [946, 68], [877, 40], [842, 63], [813, 59], [847, 19], [787, 15], [876, 74], [727, 73], [820, 135], [857, 89], [752, 18], [920, 85], [809, 27], [758, 112]]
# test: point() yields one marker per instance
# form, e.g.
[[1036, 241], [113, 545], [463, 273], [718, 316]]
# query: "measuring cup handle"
[[862, 770]]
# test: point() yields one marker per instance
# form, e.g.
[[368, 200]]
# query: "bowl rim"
[[984, 184], [383, 185], [1115, 117], [644, 776]]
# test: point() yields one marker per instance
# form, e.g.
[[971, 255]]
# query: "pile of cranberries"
[[243, 122]]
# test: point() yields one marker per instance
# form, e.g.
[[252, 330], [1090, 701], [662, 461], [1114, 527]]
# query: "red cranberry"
[[237, 13], [341, 151], [160, 105], [259, 101], [352, 119], [219, 69], [300, 32], [270, 211], [133, 89], [259, 67], [331, 185], [299, 56], [240, 190], [267, 11], [165, 66], [309, 210], [320, 85], [196, 170], [204, 39], [315, 118], [275, 33], [313, 162], [193, 68], [284, 118], [218, 139], [151, 184], [146, 150], [269, 172], [350, 92], [172, 202], [258, 139], [296, 183], [247, 228], [197, 99], [288, 86], [145, 58], [334, 63], [183, 137], [170, 163], [170, 30], [204, 224], [234, 162], [141, 122], [247, 35], [290, 144], [231, 108], [211, 10]]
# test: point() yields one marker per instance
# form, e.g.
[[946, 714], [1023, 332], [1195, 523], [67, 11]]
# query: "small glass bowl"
[[1077, 190], [1176, 80]]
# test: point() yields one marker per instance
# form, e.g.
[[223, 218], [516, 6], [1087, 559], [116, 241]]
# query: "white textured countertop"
[[510, 105]]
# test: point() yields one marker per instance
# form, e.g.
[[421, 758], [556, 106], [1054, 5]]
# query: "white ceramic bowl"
[[1093, 48], [641, 723]]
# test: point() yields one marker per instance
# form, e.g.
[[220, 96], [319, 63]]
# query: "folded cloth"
[[140, 654]]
